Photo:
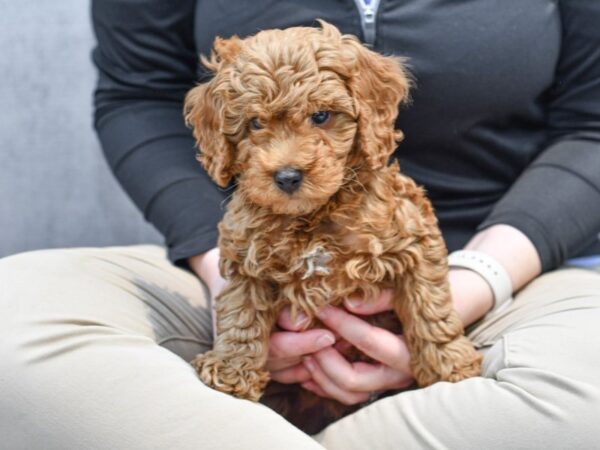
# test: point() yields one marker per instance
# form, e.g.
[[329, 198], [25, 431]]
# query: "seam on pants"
[[506, 350], [183, 338], [540, 402]]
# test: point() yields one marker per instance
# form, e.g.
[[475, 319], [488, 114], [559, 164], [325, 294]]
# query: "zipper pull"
[[368, 16]]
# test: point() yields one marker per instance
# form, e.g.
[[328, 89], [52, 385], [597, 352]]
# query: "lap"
[[540, 383], [94, 345], [134, 289]]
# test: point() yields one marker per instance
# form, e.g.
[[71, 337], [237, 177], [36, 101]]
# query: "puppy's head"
[[288, 111]]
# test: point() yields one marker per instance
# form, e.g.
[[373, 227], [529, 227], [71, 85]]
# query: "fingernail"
[[301, 320], [323, 313], [353, 302], [325, 340], [309, 363], [308, 386]]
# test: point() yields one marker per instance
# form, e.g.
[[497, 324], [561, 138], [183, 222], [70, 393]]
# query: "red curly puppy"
[[303, 120]]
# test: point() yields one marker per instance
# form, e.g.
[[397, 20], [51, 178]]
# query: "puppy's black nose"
[[288, 180]]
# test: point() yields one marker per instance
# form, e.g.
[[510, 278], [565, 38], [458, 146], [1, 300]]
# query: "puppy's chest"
[[325, 258], [309, 261], [292, 257]]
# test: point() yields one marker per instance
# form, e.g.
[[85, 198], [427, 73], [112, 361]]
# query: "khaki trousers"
[[94, 344]]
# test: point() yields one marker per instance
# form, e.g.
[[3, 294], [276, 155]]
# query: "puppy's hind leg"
[[245, 318]]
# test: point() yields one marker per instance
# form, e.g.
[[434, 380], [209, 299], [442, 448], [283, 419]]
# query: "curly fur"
[[361, 224]]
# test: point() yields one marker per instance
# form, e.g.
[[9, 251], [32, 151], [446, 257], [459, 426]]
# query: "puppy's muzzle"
[[288, 180]]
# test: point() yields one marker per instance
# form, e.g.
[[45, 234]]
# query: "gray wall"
[[55, 188]]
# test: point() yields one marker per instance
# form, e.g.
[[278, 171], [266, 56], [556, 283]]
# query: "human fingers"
[[287, 347], [315, 388], [290, 375], [328, 387], [367, 307], [342, 345], [286, 322], [379, 344], [360, 376]]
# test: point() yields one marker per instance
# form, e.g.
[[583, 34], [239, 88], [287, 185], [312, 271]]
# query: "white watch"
[[491, 271]]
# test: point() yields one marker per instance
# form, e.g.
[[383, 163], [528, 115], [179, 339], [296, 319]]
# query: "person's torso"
[[483, 70]]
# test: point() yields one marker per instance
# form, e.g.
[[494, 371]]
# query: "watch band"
[[491, 271]]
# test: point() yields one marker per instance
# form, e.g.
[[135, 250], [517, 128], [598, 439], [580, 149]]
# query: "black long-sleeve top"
[[504, 126]]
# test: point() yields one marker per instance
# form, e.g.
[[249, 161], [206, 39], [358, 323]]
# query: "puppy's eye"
[[320, 117], [255, 124]]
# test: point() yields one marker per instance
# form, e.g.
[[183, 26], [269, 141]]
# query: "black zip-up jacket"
[[504, 126]]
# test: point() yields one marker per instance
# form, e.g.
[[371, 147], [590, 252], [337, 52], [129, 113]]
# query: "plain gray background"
[[55, 187]]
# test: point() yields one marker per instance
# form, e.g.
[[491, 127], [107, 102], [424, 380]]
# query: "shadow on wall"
[[55, 187]]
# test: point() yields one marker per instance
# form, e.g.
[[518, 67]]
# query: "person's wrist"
[[509, 247], [472, 296], [206, 266], [512, 249]]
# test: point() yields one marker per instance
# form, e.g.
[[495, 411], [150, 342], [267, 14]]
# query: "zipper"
[[368, 19]]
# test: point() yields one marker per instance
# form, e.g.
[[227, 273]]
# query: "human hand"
[[287, 347], [332, 376]]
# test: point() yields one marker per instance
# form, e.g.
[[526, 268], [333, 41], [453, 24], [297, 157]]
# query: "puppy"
[[303, 120]]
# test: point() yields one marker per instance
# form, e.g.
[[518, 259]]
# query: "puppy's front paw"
[[453, 361], [466, 362], [229, 377]]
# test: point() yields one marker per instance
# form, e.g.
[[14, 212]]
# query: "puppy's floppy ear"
[[227, 50], [379, 84], [203, 111]]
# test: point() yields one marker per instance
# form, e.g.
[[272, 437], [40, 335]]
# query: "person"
[[503, 132]]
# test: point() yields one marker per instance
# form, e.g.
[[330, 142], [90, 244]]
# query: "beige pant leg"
[[93, 350], [540, 387]]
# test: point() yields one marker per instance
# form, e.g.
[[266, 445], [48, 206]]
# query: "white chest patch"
[[316, 262]]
